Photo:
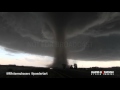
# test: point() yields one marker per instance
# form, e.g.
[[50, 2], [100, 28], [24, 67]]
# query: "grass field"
[[35, 72]]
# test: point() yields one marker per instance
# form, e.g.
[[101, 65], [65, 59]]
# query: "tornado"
[[60, 49], [59, 21]]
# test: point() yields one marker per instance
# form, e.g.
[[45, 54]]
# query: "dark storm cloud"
[[94, 23], [89, 35], [111, 25], [100, 48]]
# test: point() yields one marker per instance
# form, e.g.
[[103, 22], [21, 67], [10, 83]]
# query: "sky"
[[92, 38]]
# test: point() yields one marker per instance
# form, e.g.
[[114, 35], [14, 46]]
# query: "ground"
[[56, 72]]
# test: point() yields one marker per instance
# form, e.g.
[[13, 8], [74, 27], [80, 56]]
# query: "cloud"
[[90, 35], [9, 54], [94, 24]]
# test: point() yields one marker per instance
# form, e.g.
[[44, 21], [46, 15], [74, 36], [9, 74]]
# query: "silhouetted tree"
[[71, 67], [75, 66]]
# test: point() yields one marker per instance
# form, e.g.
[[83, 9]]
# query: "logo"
[[102, 72]]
